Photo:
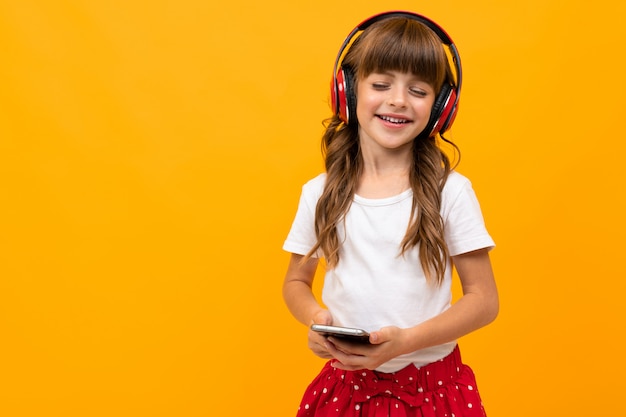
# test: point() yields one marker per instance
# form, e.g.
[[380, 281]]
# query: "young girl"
[[391, 218]]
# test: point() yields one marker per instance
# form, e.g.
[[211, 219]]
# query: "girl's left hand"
[[385, 344]]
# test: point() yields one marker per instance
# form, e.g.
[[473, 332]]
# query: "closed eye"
[[418, 92], [380, 86]]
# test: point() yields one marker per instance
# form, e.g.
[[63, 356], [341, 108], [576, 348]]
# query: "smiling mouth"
[[393, 120]]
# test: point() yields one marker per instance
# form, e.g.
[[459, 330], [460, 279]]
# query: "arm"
[[298, 295], [297, 289], [476, 308]]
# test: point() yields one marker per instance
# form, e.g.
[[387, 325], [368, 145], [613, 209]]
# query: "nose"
[[397, 97]]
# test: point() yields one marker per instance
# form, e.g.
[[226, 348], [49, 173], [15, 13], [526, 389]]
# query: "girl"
[[391, 218]]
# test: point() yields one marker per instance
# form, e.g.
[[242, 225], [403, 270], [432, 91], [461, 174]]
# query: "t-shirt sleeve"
[[301, 237], [464, 225]]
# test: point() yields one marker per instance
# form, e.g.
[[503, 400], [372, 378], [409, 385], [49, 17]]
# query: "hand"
[[317, 342], [386, 344]]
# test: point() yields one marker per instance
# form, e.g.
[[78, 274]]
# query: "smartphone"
[[347, 333]]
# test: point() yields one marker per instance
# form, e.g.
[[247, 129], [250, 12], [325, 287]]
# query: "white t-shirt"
[[373, 285]]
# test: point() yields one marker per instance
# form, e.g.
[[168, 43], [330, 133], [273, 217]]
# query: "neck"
[[382, 178], [388, 162]]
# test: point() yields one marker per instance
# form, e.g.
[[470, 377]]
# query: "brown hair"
[[397, 44]]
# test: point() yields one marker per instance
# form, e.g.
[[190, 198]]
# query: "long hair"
[[393, 44]]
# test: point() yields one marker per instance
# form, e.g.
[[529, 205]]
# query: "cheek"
[[367, 103], [425, 104], [423, 108]]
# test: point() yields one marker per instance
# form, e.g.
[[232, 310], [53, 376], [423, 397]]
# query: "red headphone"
[[343, 97]]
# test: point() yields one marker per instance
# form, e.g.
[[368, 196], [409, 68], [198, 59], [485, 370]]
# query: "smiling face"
[[398, 65], [393, 108]]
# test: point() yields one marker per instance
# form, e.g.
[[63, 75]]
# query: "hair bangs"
[[404, 45]]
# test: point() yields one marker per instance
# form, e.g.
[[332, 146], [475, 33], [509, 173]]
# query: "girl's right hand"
[[317, 342]]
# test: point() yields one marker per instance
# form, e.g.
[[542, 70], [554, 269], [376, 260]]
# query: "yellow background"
[[151, 158]]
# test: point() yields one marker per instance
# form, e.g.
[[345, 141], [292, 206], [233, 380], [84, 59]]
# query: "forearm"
[[463, 317], [468, 314], [300, 301], [297, 288], [477, 307]]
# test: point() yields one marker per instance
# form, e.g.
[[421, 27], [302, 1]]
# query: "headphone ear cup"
[[350, 95], [337, 85], [443, 112], [342, 93]]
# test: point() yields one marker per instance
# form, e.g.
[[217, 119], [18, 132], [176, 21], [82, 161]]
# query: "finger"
[[319, 350], [322, 317], [381, 335], [347, 347], [345, 357], [340, 365], [317, 338], [348, 363], [323, 354]]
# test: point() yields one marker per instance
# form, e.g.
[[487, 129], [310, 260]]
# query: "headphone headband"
[[443, 35], [342, 83]]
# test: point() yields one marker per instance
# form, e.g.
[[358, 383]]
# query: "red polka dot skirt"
[[446, 388]]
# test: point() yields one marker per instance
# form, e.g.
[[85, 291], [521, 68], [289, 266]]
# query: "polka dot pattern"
[[446, 388]]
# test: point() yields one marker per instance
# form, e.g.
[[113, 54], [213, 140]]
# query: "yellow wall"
[[151, 157]]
